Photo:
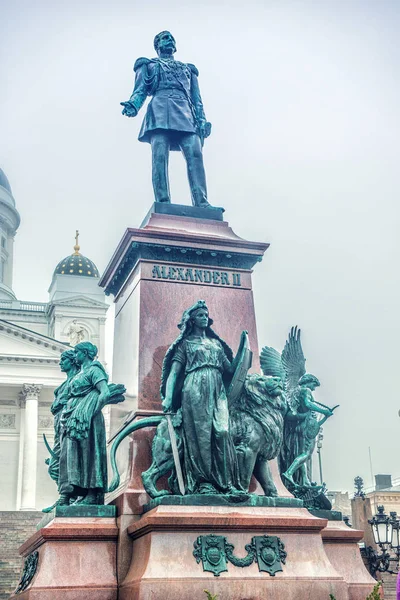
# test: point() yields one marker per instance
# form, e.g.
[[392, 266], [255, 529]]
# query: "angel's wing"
[[271, 363], [293, 361]]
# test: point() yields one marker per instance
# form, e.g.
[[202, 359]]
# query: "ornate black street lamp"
[[386, 535]]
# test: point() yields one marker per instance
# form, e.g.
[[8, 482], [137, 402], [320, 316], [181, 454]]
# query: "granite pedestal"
[[163, 566], [76, 556], [174, 259], [341, 547], [157, 272]]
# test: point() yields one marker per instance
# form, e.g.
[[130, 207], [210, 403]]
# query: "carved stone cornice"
[[27, 335]]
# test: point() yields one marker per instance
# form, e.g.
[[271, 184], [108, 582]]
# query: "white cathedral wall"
[[9, 455], [9, 451]]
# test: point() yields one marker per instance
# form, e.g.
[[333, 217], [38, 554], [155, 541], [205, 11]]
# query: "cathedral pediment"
[[20, 344], [80, 301]]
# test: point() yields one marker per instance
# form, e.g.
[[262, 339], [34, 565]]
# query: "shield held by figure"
[[244, 360]]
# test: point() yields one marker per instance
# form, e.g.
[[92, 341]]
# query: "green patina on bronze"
[[226, 428], [79, 456], [69, 366], [301, 424], [331, 515], [28, 573], [174, 119], [78, 511], [222, 500], [196, 371], [214, 552]]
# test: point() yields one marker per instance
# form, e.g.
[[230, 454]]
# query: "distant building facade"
[[32, 337], [341, 502], [386, 493]]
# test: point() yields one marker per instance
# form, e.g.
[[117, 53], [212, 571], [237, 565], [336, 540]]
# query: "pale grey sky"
[[304, 101]]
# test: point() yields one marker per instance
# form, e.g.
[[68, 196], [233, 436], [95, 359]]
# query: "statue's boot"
[[236, 495], [64, 500], [207, 488], [205, 204], [92, 497]]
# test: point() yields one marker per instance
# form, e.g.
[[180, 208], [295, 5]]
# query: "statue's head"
[[195, 315], [273, 386], [68, 361], [309, 381], [85, 350], [164, 42]]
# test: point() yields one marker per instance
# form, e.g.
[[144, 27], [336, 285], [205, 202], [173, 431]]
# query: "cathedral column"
[[102, 339], [30, 393]]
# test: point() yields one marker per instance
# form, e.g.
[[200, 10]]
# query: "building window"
[[3, 241]]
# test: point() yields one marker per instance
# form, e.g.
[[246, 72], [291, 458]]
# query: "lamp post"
[[319, 447], [386, 532]]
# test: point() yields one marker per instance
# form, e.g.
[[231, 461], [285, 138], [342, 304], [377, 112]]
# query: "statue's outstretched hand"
[[330, 410], [129, 109]]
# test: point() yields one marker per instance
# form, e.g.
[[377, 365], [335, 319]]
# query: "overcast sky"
[[304, 100]]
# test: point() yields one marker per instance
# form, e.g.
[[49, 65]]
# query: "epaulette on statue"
[[140, 62], [193, 69]]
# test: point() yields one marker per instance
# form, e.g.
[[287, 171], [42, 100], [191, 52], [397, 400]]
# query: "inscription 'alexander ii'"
[[187, 274]]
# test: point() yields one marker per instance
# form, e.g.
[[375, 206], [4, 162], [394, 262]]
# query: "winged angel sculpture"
[[301, 422]]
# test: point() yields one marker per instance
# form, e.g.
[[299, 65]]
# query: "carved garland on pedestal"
[[214, 551], [28, 573]]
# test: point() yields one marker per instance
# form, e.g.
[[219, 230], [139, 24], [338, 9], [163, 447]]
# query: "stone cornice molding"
[[32, 336], [80, 301], [23, 360]]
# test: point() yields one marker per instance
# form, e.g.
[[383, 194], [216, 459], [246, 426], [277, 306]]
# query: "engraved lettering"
[[216, 277], [180, 274], [225, 278], [207, 276], [198, 275], [236, 279], [189, 275], [156, 272]]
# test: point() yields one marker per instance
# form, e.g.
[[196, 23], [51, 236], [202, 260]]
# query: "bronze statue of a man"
[[175, 118]]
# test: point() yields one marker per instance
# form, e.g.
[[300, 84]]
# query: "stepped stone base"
[[15, 528], [76, 560], [163, 566], [341, 547]]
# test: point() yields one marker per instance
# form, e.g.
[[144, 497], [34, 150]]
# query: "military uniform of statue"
[[175, 118]]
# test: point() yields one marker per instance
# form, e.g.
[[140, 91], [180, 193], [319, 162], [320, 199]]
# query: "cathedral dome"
[[4, 181], [76, 264]]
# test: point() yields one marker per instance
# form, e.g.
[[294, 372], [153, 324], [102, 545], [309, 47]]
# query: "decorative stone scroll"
[[28, 573], [214, 551]]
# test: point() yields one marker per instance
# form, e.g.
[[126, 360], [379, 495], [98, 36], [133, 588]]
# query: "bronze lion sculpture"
[[256, 426]]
